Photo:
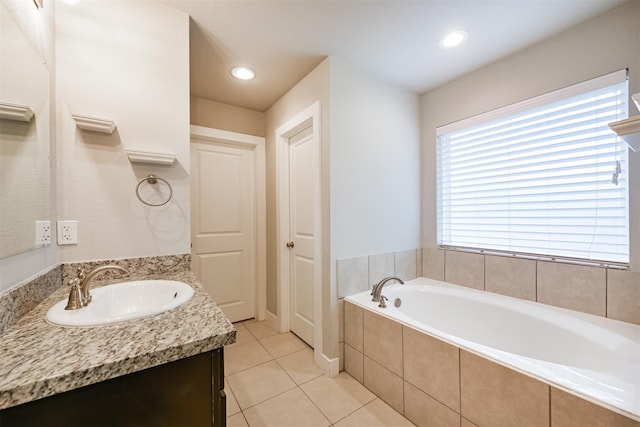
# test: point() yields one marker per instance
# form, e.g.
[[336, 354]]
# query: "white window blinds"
[[543, 177]]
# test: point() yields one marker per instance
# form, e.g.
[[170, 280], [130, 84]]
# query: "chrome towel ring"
[[152, 179]]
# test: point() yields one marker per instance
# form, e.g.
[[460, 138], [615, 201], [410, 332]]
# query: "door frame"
[[308, 117], [205, 134]]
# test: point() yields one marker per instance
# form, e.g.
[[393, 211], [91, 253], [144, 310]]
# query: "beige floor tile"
[[237, 420], [300, 366], [243, 336], [260, 329], [466, 423], [259, 383], [282, 344], [376, 413], [244, 356], [232, 403], [245, 322], [337, 396], [289, 409]]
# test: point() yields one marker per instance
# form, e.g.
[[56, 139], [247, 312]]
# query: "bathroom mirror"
[[25, 174]]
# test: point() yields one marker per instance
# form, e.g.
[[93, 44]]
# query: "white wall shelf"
[[21, 113], [151, 157], [94, 124], [629, 131]]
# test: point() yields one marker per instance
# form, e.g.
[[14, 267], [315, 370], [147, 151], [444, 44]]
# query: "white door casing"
[[228, 220]]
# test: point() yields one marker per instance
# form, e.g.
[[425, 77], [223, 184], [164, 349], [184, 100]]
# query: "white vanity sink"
[[123, 301]]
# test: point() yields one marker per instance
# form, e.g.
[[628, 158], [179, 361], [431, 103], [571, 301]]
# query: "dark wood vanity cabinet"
[[187, 392]]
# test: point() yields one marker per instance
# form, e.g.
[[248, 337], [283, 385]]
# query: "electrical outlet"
[[43, 232], [67, 232]]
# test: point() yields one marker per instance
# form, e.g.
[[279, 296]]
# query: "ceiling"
[[396, 40]]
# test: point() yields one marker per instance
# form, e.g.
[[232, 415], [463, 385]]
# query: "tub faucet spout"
[[377, 288]]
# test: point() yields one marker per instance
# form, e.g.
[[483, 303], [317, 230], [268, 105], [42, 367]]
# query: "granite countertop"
[[38, 359]]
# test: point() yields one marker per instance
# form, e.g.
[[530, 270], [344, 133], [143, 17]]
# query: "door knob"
[[290, 245]]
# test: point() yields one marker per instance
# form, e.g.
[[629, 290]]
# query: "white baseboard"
[[272, 320], [331, 367]]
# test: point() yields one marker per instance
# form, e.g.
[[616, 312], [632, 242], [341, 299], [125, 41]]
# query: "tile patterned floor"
[[271, 381]]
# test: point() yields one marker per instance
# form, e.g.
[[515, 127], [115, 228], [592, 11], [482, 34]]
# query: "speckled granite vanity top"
[[38, 359]]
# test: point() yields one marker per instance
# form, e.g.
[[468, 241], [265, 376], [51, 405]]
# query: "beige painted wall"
[[218, 115], [129, 62], [375, 172], [602, 45], [375, 164], [314, 87], [370, 173]]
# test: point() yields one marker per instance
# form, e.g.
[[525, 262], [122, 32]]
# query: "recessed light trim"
[[453, 39], [243, 73]]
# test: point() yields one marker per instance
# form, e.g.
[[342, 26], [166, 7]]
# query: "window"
[[545, 177]]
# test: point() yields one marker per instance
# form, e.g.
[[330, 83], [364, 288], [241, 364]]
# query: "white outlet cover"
[[43, 232], [67, 232]]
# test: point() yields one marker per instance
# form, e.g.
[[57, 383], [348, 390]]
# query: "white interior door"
[[224, 225], [302, 255]]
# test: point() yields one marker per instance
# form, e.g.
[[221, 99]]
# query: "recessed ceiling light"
[[454, 38], [243, 73]]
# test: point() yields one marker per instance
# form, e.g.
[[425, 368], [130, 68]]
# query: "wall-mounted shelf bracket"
[[21, 113], [629, 131], [150, 157], [94, 124]]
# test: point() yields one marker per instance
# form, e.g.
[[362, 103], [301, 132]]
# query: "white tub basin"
[[123, 301]]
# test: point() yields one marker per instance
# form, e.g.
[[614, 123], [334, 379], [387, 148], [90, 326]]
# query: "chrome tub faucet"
[[376, 292]]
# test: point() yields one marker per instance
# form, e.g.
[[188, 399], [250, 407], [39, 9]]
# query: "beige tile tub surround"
[[440, 384], [623, 296], [423, 410], [433, 366], [354, 363], [384, 383], [380, 266], [574, 287], [570, 411], [492, 395], [354, 326], [353, 276], [383, 341], [464, 268], [514, 277], [406, 264], [433, 263], [595, 290]]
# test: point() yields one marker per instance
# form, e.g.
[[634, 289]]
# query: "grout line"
[[314, 404], [606, 292], [536, 280]]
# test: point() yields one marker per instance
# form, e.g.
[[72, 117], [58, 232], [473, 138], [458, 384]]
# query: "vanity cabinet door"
[[179, 393]]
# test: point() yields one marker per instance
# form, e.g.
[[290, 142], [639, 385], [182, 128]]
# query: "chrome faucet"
[[376, 292], [79, 296]]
